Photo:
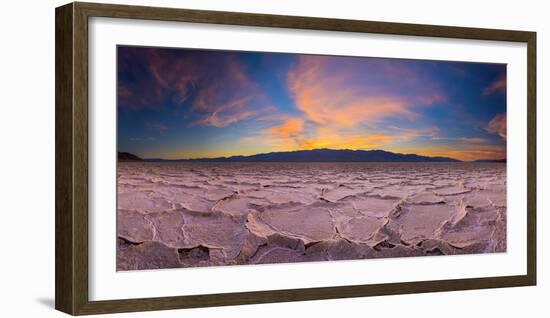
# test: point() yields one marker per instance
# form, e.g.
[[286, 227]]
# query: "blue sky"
[[183, 103]]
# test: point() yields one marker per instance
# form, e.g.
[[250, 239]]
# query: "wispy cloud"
[[323, 138], [335, 95], [498, 86], [297, 133], [288, 135], [215, 85], [156, 126], [433, 98], [409, 133], [329, 139], [497, 125]]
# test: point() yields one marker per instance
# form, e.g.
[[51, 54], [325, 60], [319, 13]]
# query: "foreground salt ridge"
[[205, 214]]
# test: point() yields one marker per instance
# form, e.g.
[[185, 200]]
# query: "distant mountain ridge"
[[126, 156], [491, 160], [321, 155]]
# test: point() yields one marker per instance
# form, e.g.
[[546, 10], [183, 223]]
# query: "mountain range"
[[492, 160], [126, 156], [316, 155]]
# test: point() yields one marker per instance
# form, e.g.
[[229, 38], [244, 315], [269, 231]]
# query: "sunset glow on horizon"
[[186, 103]]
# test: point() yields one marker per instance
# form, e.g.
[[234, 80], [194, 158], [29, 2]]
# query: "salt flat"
[[210, 214]]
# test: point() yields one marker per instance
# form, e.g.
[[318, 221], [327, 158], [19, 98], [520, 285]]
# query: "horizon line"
[[298, 150]]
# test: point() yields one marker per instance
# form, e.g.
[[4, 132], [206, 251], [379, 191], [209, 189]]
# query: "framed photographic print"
[[218, 158]]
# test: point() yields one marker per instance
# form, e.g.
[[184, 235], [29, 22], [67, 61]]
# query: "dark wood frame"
[[71, 158]]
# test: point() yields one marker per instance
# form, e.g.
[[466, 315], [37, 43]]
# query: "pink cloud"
[[498, 86], [332, 98], [341, 92], [497, 125], [217, 88], [434, 98]]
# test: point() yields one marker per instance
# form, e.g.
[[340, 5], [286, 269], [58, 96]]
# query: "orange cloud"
[[342, 141], [292, 134], [287, 135], [332, 141], [497, 125], [289, 128], [332, 99]]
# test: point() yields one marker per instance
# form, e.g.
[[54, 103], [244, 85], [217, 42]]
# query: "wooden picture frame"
[[71, 221]]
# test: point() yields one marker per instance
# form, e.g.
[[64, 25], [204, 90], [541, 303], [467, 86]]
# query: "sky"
[[189, 103]]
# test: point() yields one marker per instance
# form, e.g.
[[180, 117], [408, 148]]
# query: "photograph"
[[231, 157]]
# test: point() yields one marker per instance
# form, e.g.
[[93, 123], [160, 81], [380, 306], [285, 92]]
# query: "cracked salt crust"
[[204, 214]]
